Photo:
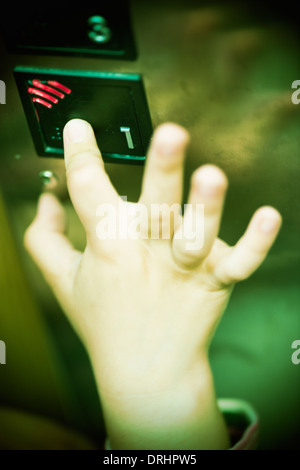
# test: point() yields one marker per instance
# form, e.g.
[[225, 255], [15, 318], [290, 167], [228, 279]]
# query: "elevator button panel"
[[101, 31], [114, 104]]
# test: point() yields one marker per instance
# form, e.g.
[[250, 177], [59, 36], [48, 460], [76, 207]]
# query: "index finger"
[[87, 181]]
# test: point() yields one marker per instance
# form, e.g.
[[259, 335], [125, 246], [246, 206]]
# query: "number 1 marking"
[[128, 136]]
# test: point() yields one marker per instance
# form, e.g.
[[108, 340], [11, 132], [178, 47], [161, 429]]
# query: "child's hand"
[[147, 309]]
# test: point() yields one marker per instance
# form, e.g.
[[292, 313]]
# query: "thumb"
[[49, 247]]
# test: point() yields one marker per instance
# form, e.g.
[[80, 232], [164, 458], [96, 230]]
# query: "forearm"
[[183, 418]]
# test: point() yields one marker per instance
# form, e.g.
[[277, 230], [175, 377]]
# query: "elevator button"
[[114, 104], [99, 31], [102, 30], [49, 179]]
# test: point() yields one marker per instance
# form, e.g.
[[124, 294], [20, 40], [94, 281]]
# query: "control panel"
[[103, 30], [114, 104]]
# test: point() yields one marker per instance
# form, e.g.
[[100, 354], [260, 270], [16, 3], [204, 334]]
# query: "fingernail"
[[170, 139], [210, 181], [268, 225], [77, 130], [210, 190]]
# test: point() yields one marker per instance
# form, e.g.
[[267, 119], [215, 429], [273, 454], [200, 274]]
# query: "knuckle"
[[236, 274], [80, 176], [81, 167]]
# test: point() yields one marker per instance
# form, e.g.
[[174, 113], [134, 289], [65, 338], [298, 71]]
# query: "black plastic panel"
[[103, 31], [114, 104]]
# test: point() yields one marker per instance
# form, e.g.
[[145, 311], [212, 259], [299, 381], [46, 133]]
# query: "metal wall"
[[225, 73]]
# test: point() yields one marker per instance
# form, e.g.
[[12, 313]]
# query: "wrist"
[[185, 416]]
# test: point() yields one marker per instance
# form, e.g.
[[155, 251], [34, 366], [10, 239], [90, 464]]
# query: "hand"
[[146, 309]]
